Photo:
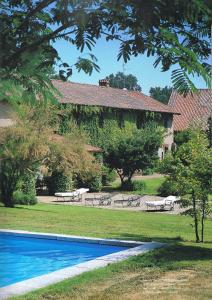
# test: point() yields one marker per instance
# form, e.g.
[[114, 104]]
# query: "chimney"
[[104, 82]]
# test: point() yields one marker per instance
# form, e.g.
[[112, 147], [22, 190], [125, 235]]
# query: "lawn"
[[151, 186], [181, 271]]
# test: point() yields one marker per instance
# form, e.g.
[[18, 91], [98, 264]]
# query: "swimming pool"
[[31, 260], [23, 257]]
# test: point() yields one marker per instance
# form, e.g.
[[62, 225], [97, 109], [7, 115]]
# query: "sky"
[[106, 53]]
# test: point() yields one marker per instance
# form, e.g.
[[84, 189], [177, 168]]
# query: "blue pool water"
[[24, 257]]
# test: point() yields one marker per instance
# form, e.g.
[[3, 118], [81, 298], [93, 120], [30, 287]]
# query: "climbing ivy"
[[103, 125]]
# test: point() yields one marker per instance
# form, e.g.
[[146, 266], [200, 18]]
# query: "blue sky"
[[106, 53]]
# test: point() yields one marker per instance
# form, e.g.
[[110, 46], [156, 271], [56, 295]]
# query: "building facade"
[[95, 108]]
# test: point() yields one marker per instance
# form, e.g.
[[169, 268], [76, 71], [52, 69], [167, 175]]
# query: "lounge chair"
[[103, 200], [126, 201], [165, 204], [72, 196]]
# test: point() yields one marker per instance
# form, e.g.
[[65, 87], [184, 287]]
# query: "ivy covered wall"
[[103, 125]]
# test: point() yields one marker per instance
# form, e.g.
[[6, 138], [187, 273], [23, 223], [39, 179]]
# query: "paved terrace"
[[115, 196]]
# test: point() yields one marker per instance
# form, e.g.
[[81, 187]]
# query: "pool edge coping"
[[42, 281]]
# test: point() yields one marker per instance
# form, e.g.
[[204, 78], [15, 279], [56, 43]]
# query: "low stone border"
[[28, 285]]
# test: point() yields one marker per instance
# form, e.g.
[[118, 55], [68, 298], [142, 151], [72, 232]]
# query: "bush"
[[108, 175], [167, 188], [94, 183], [24, 199], [58, 182], [148, 171], [137, 185], [28, 184]]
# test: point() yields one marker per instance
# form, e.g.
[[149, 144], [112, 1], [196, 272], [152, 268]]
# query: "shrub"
[[148, 171], [127, 186], [167, 188], [108, 175], [24, 199], [94, 183], [28, 184], [137, 185], [58, 182]]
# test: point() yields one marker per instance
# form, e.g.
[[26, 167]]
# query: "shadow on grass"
[[174, 256], [144, 238], [34, 209]]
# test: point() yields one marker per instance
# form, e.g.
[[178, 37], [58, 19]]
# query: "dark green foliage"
[[24, 199], [127, 186], [28, 185], [134, 151], [209, 131], [120, 81], [138, 185], [94, 183], [182, 137], [104, 133], [58, 182], [168, 188], [148, 171], [134, 186], [190, 172], [108, 175], [161, 94]]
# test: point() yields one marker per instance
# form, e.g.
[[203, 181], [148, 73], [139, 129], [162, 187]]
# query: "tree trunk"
[[203, 219], [195, 218]]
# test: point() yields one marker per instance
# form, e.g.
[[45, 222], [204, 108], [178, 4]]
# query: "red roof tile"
[[194, 108], [87, 94]]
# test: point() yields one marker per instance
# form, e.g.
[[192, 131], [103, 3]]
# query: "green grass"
[[189, 265], [152, 185]]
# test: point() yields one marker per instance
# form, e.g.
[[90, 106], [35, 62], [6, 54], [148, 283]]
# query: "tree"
[[176, 34], [30, 143], [183, 136], [134, 151], [190, 170], [161, 94], [121, 81]]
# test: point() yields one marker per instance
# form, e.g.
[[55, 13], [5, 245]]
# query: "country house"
[[99, 105], [88, 104]]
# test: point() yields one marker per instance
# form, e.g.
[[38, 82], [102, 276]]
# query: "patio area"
[[118, 201]]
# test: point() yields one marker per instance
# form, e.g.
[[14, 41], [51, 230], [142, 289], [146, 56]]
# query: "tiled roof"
[[87, 94], [194, 108]]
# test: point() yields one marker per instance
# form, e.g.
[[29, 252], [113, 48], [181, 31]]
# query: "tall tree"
[[121, 81], [134, 151], [175, 34], [30, 143], [161, 94], [190, 171]]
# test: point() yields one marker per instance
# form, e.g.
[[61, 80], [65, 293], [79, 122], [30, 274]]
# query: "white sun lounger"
[[72, 196], [165, 204]]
